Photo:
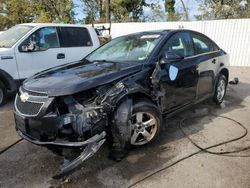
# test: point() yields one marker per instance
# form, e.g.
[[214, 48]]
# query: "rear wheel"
[[3, 94], [145, 122], [220, 89]]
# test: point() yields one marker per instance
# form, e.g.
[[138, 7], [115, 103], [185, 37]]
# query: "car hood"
[[6, 51], [76, 77]]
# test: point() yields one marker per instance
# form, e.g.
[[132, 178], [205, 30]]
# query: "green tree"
[[121, 10], [158, 13], [170, 10], [223, 9], [92, 8], [53, 10], [14, 12]]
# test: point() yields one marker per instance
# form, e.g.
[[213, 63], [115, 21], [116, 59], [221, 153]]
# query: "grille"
[[34, 93], [28, 108]]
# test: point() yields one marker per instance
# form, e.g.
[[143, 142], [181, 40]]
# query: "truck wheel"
[[220, 89], [3, 94], [146, 122]]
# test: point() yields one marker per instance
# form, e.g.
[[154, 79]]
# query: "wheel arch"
[[8, 81], [225, 72], [136, 97]]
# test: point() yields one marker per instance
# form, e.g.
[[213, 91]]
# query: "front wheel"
[[145, 122], [220, 89]]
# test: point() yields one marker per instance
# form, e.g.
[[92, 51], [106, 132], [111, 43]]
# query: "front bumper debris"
[[75, 164], [92, 145], [27, 129], [94, 139]]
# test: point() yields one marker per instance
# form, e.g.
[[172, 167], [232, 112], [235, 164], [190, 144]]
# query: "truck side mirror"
[[29, 48]]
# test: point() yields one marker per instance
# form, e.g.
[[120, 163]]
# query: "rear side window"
[[75, 37], [202, 44]]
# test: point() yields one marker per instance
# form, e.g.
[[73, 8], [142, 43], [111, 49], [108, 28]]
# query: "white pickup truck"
[[26, 49]]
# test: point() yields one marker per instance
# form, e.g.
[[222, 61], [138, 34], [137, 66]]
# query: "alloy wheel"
[[221, 88], [144, 128]]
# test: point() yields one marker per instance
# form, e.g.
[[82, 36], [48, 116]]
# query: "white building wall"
[[231, 35]]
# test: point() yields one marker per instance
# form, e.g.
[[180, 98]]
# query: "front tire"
[[146, 122], [220, 89], [3, 94]]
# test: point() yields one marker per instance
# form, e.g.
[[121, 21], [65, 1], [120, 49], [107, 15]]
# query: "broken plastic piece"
[[235, 81], [91, 140], [88, 152]]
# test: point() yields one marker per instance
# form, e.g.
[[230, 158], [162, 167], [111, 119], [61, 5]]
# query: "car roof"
[[54, 24], [162, 32]]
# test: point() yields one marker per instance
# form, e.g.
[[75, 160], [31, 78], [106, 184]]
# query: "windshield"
[[127, 48], [10, 37]]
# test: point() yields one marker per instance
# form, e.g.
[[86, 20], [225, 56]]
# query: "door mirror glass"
[[173, 72]]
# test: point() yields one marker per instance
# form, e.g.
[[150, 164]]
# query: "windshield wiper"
[[105, 61]]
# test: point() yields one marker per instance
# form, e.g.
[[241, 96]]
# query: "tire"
[[142, 133], [3, 94], [220, 89]]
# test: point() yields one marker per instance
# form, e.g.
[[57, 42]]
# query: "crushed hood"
[[76, 77]]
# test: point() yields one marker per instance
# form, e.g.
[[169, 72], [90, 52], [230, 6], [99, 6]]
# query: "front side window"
[[178, 44], [202, 44], [42, 39], [131, 48], [75, 37], [10, 37]]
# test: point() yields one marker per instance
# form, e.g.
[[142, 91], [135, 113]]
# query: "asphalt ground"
[[28, 165]]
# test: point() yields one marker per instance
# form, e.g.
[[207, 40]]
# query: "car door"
[[77, 42], [180, 89], [45, 54], [207, 54]]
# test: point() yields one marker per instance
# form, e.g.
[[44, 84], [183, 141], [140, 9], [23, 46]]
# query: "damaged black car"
[[122, 89]]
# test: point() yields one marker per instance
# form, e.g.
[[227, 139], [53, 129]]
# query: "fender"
[[8, 81], [222, 70], [122, 89]]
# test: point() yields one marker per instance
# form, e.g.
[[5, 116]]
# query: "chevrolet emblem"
[[24, 97]]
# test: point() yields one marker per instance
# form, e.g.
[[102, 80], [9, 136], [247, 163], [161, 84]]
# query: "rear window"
[[75, 37], [202, 44]]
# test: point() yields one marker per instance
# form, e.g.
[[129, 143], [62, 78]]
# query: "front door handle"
[[214, 61], [60, 56]]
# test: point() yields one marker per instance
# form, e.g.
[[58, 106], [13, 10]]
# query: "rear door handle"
[[60, 56], [214, 61]]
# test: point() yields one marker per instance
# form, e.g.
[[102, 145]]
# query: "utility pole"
[[108, 16]]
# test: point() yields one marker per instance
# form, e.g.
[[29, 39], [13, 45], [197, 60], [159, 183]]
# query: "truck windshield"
[[11, 36], [133, 48]]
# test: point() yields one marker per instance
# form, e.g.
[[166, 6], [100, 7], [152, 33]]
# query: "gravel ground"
[[27, 165]]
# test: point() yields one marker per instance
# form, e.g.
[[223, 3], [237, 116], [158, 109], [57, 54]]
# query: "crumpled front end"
[[75, 121], [61, 122]]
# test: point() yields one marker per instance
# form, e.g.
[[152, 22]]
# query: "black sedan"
[[124, 88]]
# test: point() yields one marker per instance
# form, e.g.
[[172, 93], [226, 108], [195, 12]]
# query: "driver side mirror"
[[29, 47], [169, 57]]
